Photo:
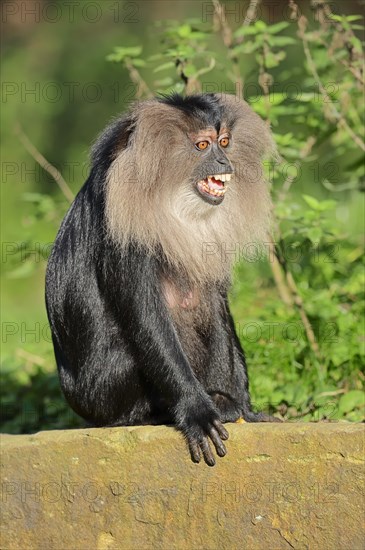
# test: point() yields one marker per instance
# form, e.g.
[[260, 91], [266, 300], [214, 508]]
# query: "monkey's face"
[[213, 173], [186, 173]]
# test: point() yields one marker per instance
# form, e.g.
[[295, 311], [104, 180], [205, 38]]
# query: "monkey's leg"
[[229, 409], [225, 378], [232, 407], [103, 387], [240, 367], [235, 401]]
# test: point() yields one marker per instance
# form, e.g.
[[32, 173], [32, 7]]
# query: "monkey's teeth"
[[222, 177], [209, 189]]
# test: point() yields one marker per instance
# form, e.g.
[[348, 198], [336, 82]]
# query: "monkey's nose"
[[226, 163], [221, 160]]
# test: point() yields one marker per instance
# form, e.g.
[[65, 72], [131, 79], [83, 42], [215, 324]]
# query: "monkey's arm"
[[132, 289]]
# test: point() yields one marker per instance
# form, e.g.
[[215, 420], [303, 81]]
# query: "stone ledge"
[[280, 486]]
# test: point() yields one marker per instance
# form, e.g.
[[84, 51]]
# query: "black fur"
[[205, 107], [122, 357]]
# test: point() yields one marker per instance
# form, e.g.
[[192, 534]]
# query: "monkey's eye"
[[224, 142], [201, 145]]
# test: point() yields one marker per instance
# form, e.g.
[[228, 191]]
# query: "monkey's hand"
[[198, 419]]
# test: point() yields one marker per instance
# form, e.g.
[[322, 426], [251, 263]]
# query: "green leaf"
[[276, 98], [168, 65], [163, 82], [357, 44], [327, 205], [280, 41], [342, 18], [261, 25], [155, 57], [120, 53], [132, 51], [138, 63], [351, 400], [311, 201], [354, 17], [245, 31], [314, 234], [246, 47], [196, 35], [273, 29], [184, 31], [273, 59], [179, 87]]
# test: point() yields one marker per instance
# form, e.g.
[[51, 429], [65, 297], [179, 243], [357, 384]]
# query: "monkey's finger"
[[207, 452], [194, 450], [218, 443], [221, 429]]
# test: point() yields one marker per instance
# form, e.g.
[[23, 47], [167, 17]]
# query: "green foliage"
[[31, 399], [299, 311], [129, 56]]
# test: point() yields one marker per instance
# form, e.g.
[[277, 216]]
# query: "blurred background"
[[69, 67]]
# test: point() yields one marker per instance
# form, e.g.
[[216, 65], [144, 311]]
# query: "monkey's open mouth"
[[213, 188]]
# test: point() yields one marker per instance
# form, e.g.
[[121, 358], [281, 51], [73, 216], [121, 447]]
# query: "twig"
[[204, 70], [251, 12], [289, 292], [339, 188], [331, 393], [324, 15], [142, 88], [227, 36], [357, 74], [42, 161], [192, 84], [226, 29], [284, 291], [30, 357], [303, 315]]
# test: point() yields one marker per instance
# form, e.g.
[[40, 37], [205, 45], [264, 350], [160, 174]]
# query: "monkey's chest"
[[192, 318], [180, 296]]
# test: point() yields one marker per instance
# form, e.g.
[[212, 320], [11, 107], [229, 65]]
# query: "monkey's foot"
[[229, 411], [259, 417]]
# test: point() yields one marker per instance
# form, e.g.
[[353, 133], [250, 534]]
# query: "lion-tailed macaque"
[[137, 281]]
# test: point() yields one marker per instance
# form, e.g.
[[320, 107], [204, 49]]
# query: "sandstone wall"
[[279, 487]]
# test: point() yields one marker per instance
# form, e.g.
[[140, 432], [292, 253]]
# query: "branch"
[[30, 358], [42, 161], [251, 12], [227, 36], [135, 76], [341, 121], [297, 300], [284, 292], [306, 322]]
